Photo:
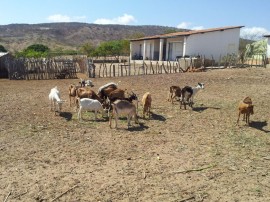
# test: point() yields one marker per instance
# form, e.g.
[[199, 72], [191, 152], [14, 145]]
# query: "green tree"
[[34, 51], [88, 49], [2, 49], [113, 48], [37, 48]]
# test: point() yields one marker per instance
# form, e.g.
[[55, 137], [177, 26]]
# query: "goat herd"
[[118, 102]]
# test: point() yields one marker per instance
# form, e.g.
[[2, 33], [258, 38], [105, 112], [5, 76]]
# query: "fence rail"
[[61, 68]]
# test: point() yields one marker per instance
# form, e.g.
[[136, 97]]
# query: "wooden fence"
[[41, 68], [60, 68], [144, 67]]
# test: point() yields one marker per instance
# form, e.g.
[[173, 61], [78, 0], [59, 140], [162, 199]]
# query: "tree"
[[34, 51], [37, 48], [88, 49], [113, 48], [2, 49]]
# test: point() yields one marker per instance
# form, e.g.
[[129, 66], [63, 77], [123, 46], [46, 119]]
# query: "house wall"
[[268, 47], [136, 45], [151, 49], [175, 49], [216, 44]]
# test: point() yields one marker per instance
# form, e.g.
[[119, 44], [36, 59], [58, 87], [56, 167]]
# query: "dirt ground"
[[176, 155]]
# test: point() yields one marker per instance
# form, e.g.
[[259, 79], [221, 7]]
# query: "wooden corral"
[[3, 67], [41, 69]]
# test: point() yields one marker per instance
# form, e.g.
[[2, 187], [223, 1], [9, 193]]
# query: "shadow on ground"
[[259, 125], [201, 109], [157, 117], [66, 115], [138, 127]]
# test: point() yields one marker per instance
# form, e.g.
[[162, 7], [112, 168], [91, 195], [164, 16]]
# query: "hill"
[[15, 37]]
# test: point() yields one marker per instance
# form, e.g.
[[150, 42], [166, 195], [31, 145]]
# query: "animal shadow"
[[201, 109], [138, 127], [157, 117], [259, 125], [66, 115]]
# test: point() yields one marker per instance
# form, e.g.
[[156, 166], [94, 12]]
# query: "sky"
[[254, 15]]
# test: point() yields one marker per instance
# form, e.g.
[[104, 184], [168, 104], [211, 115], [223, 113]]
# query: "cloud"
[[184, 25], [122, 20], [65, 18], [253, 33], [188, 25]]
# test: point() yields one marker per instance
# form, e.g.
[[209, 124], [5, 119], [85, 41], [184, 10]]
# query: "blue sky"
[[189, 14]]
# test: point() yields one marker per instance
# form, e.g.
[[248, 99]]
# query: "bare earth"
[[177, 155]]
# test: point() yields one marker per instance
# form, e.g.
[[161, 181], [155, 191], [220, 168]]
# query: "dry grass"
[[199, 154]]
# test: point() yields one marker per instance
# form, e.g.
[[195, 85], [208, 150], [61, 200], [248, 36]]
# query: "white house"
[[210, 43], [268, 46]]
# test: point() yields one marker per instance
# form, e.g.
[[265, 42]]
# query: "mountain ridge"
[[70, 35]]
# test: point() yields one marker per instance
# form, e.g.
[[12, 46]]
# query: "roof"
[[191, 32], [266, 35]]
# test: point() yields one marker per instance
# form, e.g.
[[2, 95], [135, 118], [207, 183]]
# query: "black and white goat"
[[188, 94], [84, 83]]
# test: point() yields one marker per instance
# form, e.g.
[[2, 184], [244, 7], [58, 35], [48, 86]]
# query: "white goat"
[[91, 105], [56, 102], [123, 107]]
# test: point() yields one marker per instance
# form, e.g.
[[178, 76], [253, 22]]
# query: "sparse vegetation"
[[176, 155]]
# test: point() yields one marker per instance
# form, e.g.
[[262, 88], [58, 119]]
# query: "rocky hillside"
[[15, 37]]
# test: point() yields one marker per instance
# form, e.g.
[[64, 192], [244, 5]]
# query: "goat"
[[55, 100], [245, 108], [188, 94], [89, 104], [175, 92], [84, 83], [195, 91], [119, 94], [146, 102], [72, 92], [87, 93], [116, 94], [106, 89], [123, 107], [89, 83]]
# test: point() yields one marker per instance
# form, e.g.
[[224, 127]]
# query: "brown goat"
[[87, 93], [72, 92], [105, 90], [245, 108], [146, 102], [175, 91], [116, 94]]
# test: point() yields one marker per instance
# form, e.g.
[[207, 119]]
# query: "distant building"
[[210, 43], [268, 46]]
